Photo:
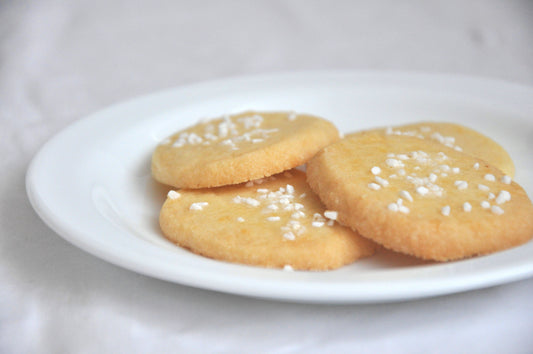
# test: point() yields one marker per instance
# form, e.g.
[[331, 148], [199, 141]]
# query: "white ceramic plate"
[[91, 183]]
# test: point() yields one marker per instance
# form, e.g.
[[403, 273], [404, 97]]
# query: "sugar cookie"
[[456, 137], [239, 148], [273, 222], [421, 198]]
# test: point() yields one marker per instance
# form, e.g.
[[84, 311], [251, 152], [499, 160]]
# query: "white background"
[[61, 60]]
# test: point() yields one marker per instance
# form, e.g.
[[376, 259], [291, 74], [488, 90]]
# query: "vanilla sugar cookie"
[[421, 198], [273, 222], [239, 148], [456, 137]]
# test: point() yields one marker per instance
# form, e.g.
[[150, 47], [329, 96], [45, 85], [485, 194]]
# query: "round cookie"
[[239, 148], [457, 137], [421, 198], [273, 222]]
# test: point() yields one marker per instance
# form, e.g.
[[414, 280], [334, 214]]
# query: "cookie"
[[418, 197], [456, 137], [273, 222], [239, 148]]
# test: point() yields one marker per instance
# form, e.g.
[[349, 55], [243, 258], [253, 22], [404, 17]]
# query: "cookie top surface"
[[238, 148], [274, 222], [457, 137], [421, 198]]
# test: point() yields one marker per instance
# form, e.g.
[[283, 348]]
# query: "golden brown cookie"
[[273, 222], [421, 198], [239, 148], [456, 137]]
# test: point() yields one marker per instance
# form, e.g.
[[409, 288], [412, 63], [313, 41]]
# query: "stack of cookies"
[[436, 191]]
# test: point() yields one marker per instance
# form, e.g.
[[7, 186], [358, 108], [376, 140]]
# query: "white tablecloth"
[[61, 60]]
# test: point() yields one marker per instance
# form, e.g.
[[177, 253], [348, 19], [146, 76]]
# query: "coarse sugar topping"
[[227, 131], [172, 194], [506, 179], [285, 206], [430, 175], [406, 195], [490, 177], [503, 197], [198, 205], [375, 170], [425, 132]]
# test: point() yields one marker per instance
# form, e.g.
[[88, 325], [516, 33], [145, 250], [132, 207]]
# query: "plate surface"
[[91, 183]]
